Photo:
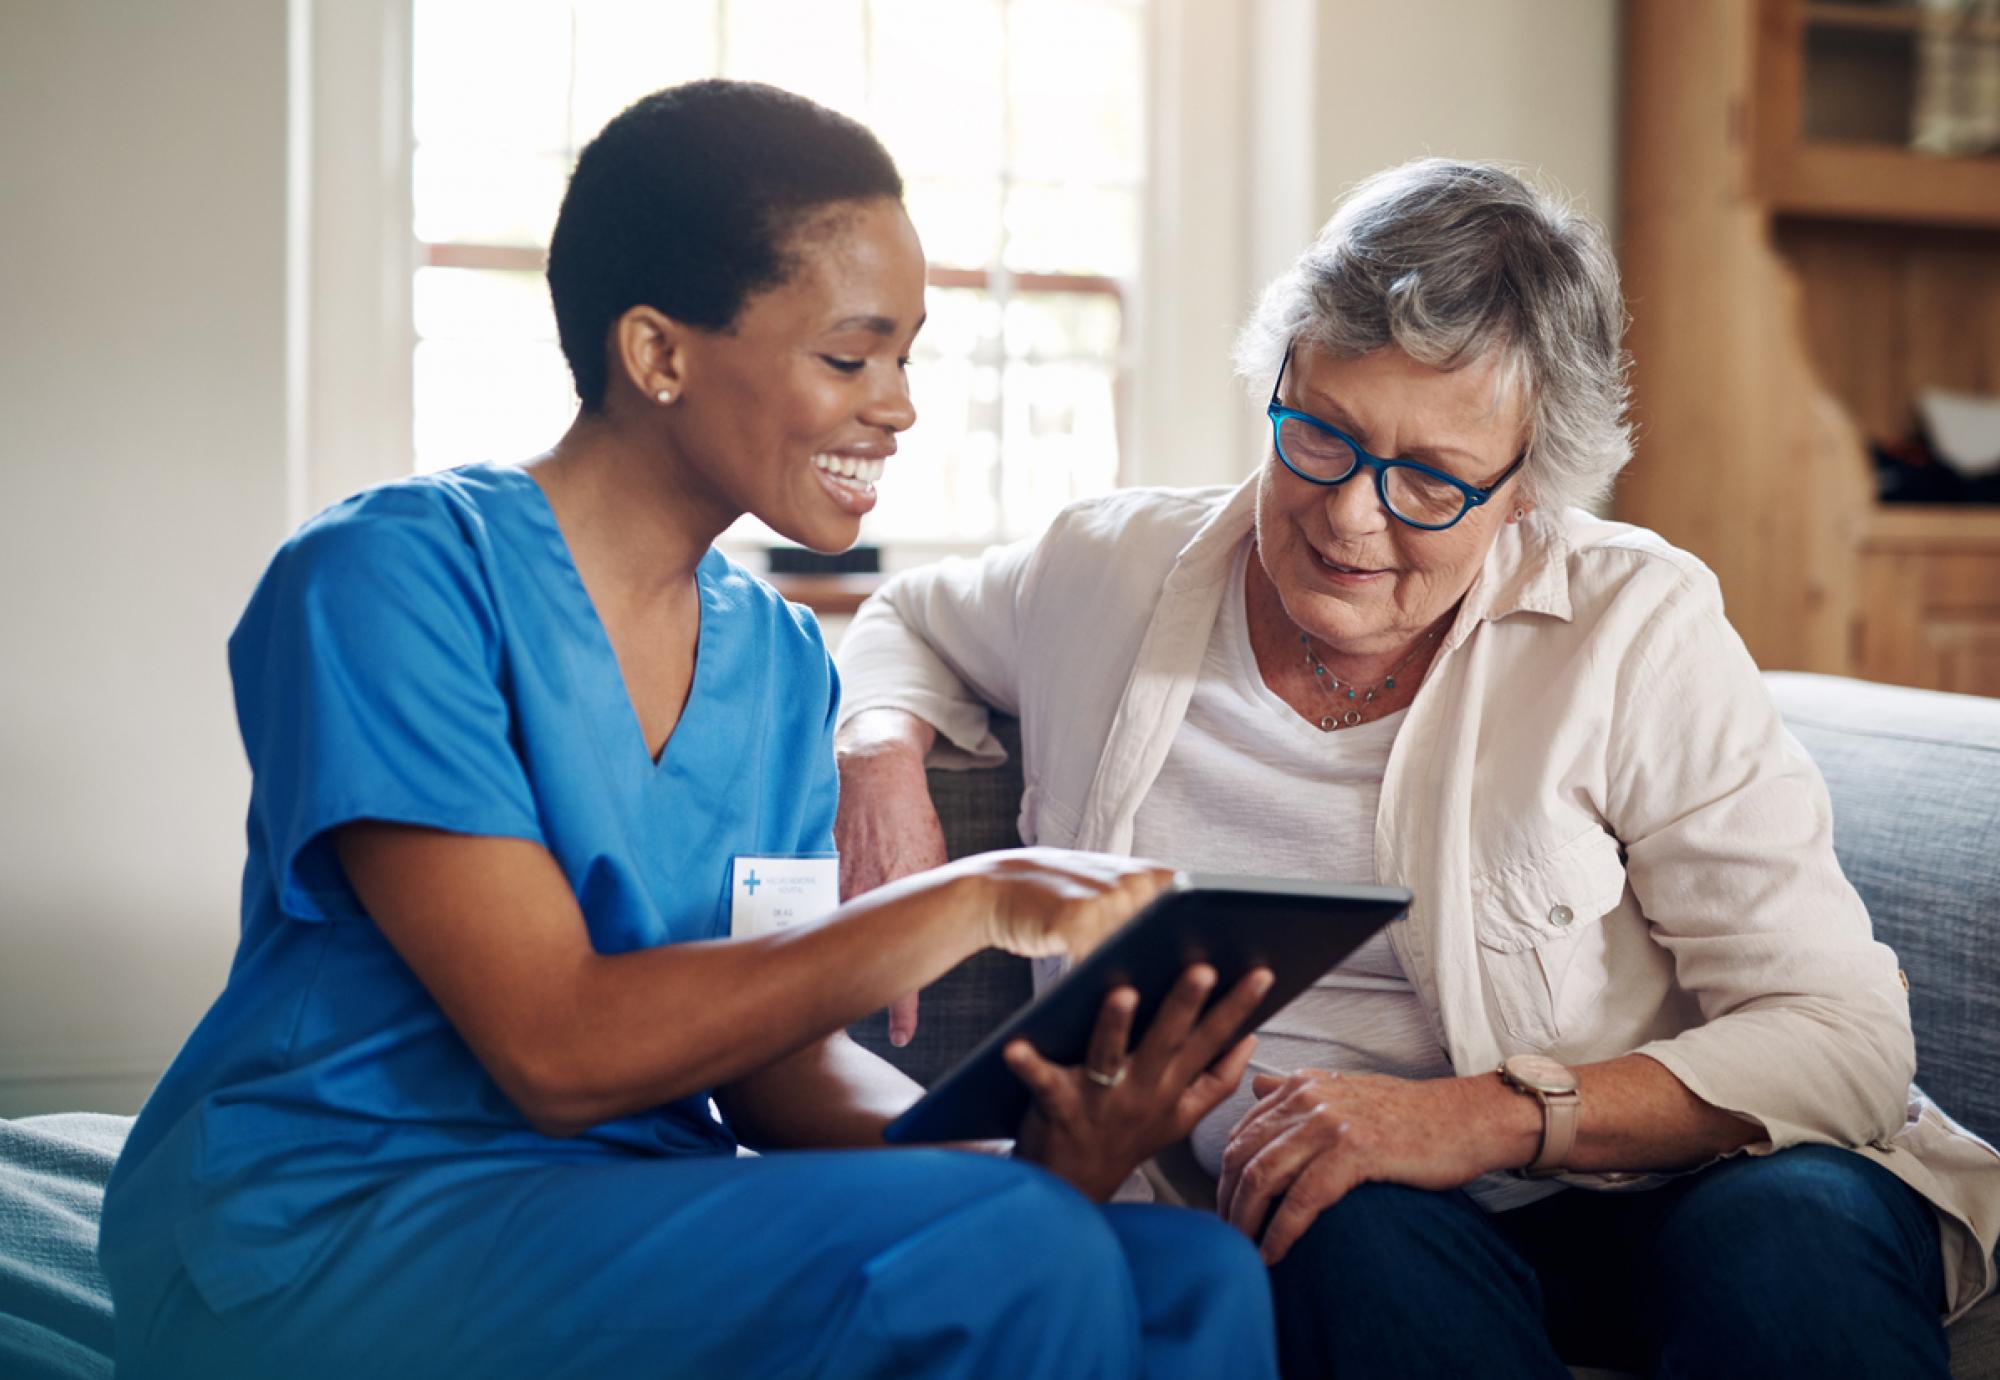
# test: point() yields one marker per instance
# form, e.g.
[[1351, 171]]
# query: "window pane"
[[1060, 439], [813, 47], [492, 72], [626, 49], [960, 323], [488, 400], [1073, 228], [939, 487], [931, 58], [959, 222], [470, 195], [1075, 102], [629, 49], [482, 304], [1059, 327]]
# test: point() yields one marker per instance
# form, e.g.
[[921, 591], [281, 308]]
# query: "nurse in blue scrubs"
[[512, 733]]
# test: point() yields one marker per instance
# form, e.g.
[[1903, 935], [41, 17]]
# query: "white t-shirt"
[[1249, 786]]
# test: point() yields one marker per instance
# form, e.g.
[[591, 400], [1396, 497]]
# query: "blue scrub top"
[[426, 653]]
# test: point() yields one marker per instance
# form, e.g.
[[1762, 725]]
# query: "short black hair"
[[687, 202]]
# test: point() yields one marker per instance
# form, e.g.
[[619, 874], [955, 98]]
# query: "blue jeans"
[[1809, 1262]]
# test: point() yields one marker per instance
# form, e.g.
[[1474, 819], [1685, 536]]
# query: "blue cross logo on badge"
[[750, 883]]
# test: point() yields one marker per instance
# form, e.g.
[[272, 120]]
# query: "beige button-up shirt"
[[1614, 844]]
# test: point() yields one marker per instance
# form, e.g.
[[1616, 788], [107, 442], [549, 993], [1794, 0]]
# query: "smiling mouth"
[[1340, 569], [856, 471]]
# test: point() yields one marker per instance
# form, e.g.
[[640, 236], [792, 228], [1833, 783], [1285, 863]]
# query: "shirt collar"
[[1526, 571], [1205, 559]]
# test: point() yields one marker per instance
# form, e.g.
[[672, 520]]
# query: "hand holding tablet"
[[1233, 925], [1093, 1122]]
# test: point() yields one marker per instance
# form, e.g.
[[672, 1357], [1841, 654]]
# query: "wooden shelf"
[[1894, 19], [1931, 526], [1881, 182]]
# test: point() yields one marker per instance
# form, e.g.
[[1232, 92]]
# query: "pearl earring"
[[665, 395]]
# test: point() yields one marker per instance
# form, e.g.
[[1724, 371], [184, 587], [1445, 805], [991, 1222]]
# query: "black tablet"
[[1298, 930]]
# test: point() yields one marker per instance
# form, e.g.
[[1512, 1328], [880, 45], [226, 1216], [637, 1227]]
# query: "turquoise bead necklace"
[[1347, 696]]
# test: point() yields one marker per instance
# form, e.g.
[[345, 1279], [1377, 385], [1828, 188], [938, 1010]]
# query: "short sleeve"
[[367, 671]]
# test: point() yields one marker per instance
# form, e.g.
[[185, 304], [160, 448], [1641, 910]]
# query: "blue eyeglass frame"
[[1474, 496]]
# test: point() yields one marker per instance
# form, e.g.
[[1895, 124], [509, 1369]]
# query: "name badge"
[[771, 894]]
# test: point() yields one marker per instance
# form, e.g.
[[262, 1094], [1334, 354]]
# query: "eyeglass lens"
[[1413, 495]]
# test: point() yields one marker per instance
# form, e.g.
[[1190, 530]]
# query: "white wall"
[[143, 443], [1530, 82]]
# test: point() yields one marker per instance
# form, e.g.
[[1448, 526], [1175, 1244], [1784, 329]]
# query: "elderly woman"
[[1630, 1085]]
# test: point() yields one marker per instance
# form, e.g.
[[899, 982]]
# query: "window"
[[1019, 126]]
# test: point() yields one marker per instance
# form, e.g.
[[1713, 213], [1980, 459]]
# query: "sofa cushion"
[[1975, 1343], [55, 1310], [1915, 780]]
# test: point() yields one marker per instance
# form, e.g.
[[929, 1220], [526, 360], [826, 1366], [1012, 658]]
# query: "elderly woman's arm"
[[925, 656], [1315, 1135], [1728, 834], [887, 827], [941, 644]]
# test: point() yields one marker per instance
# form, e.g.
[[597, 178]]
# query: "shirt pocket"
[[1542, 943]]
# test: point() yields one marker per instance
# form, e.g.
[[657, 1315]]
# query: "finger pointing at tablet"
[[1044, 901]]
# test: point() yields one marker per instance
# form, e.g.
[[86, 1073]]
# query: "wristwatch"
[[1553, 1085]]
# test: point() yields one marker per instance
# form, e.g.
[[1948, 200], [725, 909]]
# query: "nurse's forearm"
[[647, 1027], [831, 1093], [492, 929], [659, 1024]]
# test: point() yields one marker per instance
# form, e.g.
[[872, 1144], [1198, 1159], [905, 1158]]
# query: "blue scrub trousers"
[[834, 1264], [1811, 1262]]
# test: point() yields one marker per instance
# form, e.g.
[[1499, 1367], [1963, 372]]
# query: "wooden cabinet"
[[1797, 274], [1929, 599]]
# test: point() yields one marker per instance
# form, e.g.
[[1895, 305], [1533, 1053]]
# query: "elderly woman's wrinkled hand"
[[1315, 1135], [1095, 1123], [887, 828]]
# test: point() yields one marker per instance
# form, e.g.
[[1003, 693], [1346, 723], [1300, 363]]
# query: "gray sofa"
[[1915, 779]]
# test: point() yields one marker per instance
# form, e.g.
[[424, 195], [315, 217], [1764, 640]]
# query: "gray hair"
[[1450, 262]]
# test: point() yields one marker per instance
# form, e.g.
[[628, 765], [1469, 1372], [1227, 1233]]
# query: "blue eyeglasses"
[[1321, 453]]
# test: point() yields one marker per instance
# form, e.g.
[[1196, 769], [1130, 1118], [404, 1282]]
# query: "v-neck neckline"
[[633, 731]]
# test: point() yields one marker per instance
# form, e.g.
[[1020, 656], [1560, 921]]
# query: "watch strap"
[[1559, 1118]]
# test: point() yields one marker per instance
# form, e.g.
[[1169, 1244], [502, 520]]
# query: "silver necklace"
[[1353, 696]]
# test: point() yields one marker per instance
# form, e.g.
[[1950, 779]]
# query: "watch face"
[[1543, 1074]]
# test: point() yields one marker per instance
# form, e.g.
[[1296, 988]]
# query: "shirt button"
[[1561, 915]]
